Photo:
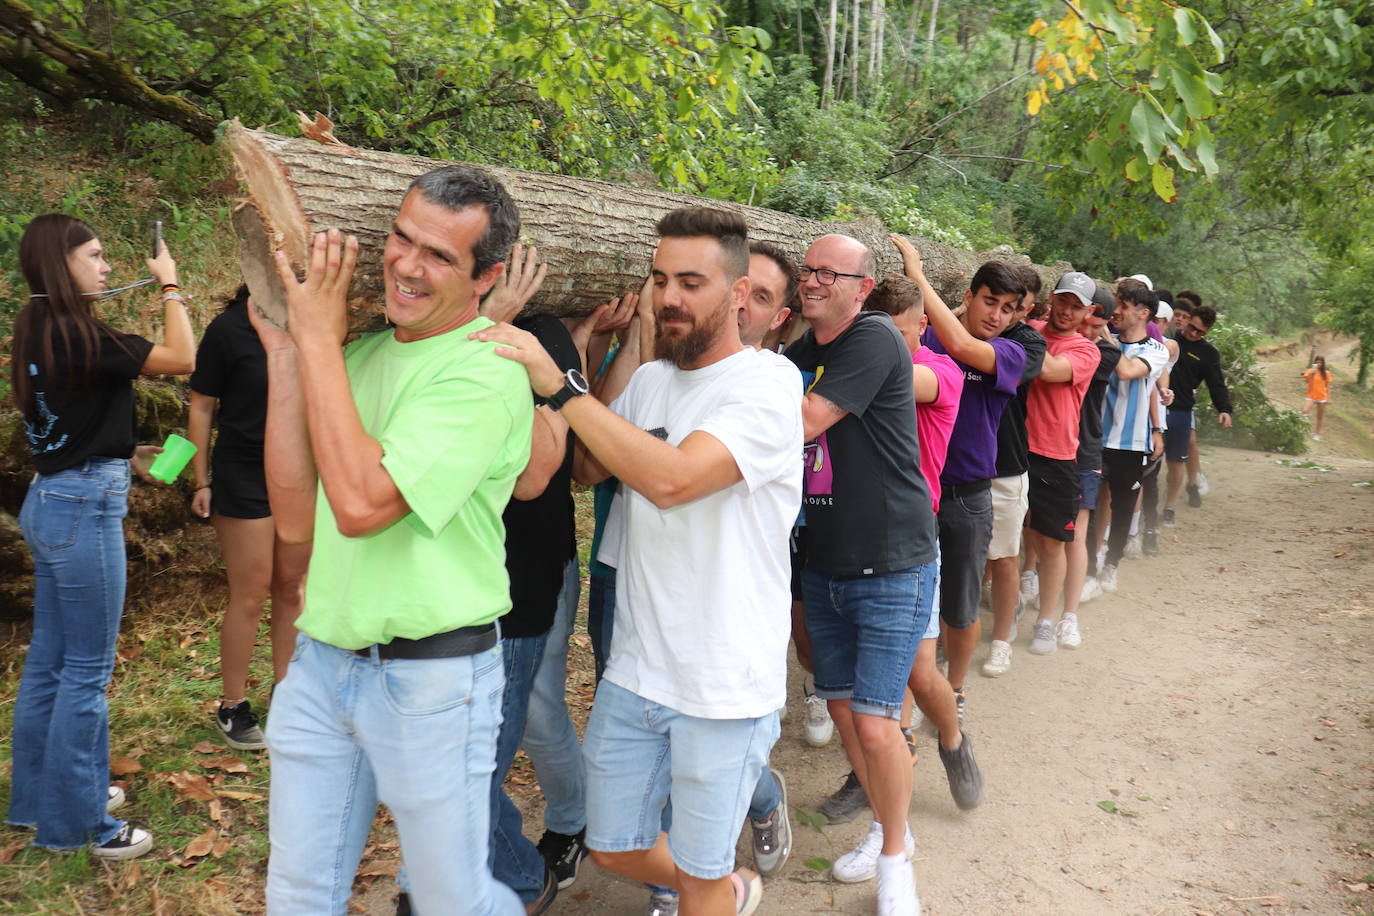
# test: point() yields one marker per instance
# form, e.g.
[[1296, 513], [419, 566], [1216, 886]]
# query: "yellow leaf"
[[1060, 61], [1042, 63], [1057, 80], [1033, 103], [1037, 27]]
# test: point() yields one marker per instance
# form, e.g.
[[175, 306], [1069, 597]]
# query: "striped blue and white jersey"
[[1126, 409]]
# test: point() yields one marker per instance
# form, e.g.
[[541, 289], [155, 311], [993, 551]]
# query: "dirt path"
[[1222, 701]]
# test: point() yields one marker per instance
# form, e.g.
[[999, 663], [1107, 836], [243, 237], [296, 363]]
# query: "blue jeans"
[[73, 522], [419, 735], [864, 634], [515, 861], [550, 739]]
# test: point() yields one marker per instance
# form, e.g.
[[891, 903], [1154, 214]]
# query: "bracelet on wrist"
[[167, 286]]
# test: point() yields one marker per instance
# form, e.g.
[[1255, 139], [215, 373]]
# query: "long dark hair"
[[1320, 364], [57, 311]]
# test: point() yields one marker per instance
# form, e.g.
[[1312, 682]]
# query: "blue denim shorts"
[[864, 634], [641, 756], [1090, 481]]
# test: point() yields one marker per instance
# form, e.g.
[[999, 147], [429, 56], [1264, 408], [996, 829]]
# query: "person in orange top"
[[1318, 393]]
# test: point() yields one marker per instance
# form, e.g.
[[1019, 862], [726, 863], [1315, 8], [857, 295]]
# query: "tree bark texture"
[[596, 236]]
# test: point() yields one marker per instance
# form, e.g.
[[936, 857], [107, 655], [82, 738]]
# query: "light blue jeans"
[[419, 735], [550, 739], [514, 860], [73, 522]]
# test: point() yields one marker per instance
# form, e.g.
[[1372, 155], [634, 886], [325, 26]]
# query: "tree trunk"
[[596, 236], [854, 28], [828, 84]]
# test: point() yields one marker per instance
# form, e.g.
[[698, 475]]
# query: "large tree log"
[[597, 236]]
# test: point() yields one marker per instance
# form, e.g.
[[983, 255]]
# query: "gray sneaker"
[[773, 834], [240, 727], [845, 805], [662, 903], [965, 779], [1043, 642]]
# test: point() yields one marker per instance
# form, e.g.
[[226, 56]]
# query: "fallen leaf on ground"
[[201, 845], [9, 851], [384, 868], [204, 747], [239, 796], [227, 764], [123, 766], [192, 785], [220, 847]]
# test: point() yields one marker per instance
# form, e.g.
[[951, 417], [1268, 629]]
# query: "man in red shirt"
[[1052, 407]]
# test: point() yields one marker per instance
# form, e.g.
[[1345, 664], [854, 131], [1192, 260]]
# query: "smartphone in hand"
[[157, 238]]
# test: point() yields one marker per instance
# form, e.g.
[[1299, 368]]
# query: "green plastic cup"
[[176, 452]]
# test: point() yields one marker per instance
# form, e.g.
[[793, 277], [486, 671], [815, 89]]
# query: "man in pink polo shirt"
[[1052, 409]]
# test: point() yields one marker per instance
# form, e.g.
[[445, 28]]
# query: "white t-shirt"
[[1126, 408], [703, 590]]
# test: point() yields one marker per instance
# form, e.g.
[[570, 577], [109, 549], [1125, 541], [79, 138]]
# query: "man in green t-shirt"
[[415, 437]]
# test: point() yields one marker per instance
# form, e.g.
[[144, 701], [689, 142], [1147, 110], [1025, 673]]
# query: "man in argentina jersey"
[[1129, 437]]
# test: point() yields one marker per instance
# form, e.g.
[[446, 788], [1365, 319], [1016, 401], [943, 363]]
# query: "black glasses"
[[1199, 331], [825, 276]]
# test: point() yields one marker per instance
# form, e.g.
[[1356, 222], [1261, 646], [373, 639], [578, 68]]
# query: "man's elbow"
[[360, 520]]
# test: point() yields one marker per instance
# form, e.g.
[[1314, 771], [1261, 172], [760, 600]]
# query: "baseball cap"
[[1080, 284], [1143, 279], [1165, 312], [1104, 298]]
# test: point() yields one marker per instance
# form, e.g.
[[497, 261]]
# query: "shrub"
[[1257, 422]]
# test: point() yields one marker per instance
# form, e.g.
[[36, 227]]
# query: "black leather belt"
[[452, 644], [964, 489]]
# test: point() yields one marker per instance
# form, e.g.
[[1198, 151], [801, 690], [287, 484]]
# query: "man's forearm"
[[288, 462], [361, 493]]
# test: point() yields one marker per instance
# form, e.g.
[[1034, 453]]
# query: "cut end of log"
[[255, 259]]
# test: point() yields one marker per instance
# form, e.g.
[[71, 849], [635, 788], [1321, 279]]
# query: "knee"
[[876, 733], [618, 862], [923, 679]]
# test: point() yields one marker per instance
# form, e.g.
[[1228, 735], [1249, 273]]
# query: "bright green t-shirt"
[[454, 422]]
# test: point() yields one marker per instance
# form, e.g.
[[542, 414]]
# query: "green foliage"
[[1348, 297], [1257, 421]]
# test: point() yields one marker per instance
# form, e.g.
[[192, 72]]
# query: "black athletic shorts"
[[238, 489], [1177, 435], [1055, 494]]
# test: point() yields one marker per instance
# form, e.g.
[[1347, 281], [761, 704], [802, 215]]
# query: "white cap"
[[1143, 279], [1165, 312]]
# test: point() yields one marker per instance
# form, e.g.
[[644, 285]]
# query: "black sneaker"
[[845, 805], [129, 843], [240, 727], [403, 905], [562, 853], [1150, 543], [1168, 516], [965, 779], [1194, 497]]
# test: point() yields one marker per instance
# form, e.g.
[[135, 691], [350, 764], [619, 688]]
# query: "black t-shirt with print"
[[1013, 442], [867, 506], [80, 417], [539, 532]]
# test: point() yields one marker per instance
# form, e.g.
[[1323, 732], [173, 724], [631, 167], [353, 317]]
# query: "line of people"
[[850, 493]]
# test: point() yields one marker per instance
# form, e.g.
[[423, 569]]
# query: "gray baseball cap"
[[1080, 284], [1103, 296]]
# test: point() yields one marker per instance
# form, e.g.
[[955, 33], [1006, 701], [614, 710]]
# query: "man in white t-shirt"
[[705, 441]]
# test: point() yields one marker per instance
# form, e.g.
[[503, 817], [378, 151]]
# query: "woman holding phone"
[[72, 379], [231, 380]]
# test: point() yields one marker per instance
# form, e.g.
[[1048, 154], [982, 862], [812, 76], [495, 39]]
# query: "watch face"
[[576, 381]]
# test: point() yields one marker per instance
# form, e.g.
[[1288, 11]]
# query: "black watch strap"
[[574, 384]]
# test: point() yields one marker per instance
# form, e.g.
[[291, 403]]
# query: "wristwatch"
[[574, 385]]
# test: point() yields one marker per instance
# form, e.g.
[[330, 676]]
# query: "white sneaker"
[[819, 726], [1107, 579], [1091, 589], [114, 800], [1066, 631], [1030, 587], [861, 864], [1133, 551], [897, 889], [1203, 489], [1042, 643], [999, 659]]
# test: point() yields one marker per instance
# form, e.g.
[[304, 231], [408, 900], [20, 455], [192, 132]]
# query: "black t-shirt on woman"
[[85, 417], [231, 365]]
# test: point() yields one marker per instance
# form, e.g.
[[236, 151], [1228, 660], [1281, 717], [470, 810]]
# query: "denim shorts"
[[641, 756], [864, 634]]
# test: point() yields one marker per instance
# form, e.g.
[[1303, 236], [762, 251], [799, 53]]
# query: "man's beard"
[[684, 350]]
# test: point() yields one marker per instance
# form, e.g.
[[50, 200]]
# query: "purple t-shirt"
[[973, 444], [1153, 330]]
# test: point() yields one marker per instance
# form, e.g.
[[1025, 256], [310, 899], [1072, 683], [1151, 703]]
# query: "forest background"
[[1224, 147]]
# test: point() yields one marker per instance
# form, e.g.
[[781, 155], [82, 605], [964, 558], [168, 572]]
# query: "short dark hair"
[[999, 278], [1206, 314], [785, 264], [895, 295], [1189, 296], [1136, 293], [457, 187], [1031, 278], [1165, 296], [728, 229]]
